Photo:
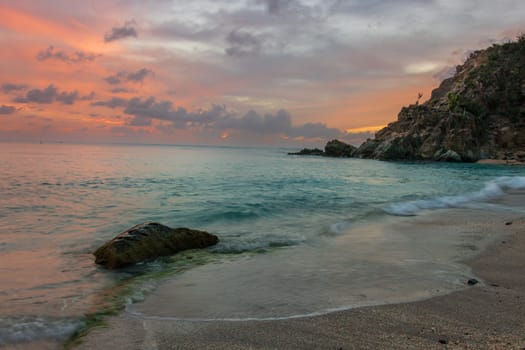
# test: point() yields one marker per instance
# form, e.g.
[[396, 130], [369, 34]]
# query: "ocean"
[[298, 235]]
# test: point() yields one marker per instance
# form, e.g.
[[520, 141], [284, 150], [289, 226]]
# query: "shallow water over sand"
[[395, 260]]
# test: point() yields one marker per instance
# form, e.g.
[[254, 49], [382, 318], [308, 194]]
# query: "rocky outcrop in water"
[[308, 152], [148, 241], [334, 148], [479, 113]]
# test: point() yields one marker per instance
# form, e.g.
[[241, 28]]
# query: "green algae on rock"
[[148, 241]]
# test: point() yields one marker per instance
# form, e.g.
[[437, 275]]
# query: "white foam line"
[[493, 189], [291, 317], [246, 319]]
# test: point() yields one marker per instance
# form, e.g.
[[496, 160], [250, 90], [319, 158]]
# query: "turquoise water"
[[58, 202]]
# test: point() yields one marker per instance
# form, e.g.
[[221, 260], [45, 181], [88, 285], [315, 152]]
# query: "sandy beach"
[[488, 315]]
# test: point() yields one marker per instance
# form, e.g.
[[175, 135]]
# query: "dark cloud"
[[7, 109], [51, 94], [139, 75], [217, 118], [242, 43], [89, 97], [112, 103], [134, 77], [9, 87], [113, 79], [118, 33], [120, 89], [42, 96], [73, 57], [140, 121], [313, 130], [375, 7], [280, 122], [275, 6], [184, 29], [67, 98], [146, 110]]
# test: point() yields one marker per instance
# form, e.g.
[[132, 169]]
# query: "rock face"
[[336, 148], [478, 113], [148, 241], [308, 152]]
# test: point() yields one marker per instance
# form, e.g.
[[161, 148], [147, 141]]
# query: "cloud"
[[51, 94], [118, 33], [243, 43], [120, 89], [4, 110], [375, 7], [134, 77], [42, 96], [280, 122], [139, 75], [112, 103], [275, 6], [217, 118], [74, 57], [313, 130], [9, 87], [67, 98], [113, 79]]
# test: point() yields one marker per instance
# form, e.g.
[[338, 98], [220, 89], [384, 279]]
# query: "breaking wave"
[[27, 329], [492, 190]]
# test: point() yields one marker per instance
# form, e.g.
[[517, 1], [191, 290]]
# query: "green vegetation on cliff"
[[478, 113]]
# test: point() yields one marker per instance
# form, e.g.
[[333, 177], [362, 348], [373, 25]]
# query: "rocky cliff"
[[478, 113]]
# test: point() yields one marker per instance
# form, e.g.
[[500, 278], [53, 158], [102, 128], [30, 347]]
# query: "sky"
[[230, 72]]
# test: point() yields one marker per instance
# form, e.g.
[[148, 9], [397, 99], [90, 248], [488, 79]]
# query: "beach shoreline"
[[489, 315]]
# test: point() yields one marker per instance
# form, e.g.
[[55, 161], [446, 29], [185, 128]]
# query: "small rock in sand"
[[472, 281]]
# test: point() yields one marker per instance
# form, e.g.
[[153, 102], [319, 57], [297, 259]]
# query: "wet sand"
[[500, 162], [489, 315]]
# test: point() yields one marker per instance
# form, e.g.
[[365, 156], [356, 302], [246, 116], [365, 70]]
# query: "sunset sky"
[[236, 72]]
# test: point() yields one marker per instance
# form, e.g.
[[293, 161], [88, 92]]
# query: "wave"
[[27, 329], [256, 244], [492, 190]]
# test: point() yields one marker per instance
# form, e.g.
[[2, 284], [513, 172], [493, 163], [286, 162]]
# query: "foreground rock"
[[148, 241], [479, 113]]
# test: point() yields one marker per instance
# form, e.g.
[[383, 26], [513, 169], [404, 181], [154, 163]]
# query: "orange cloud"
[[363, 129]]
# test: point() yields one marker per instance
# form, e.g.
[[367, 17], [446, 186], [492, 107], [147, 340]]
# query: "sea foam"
[[493, 189], [27, 329]]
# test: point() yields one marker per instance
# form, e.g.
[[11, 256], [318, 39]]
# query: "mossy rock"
[[148, 241]]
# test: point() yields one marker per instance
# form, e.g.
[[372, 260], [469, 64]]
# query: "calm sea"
[[271, 211]]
